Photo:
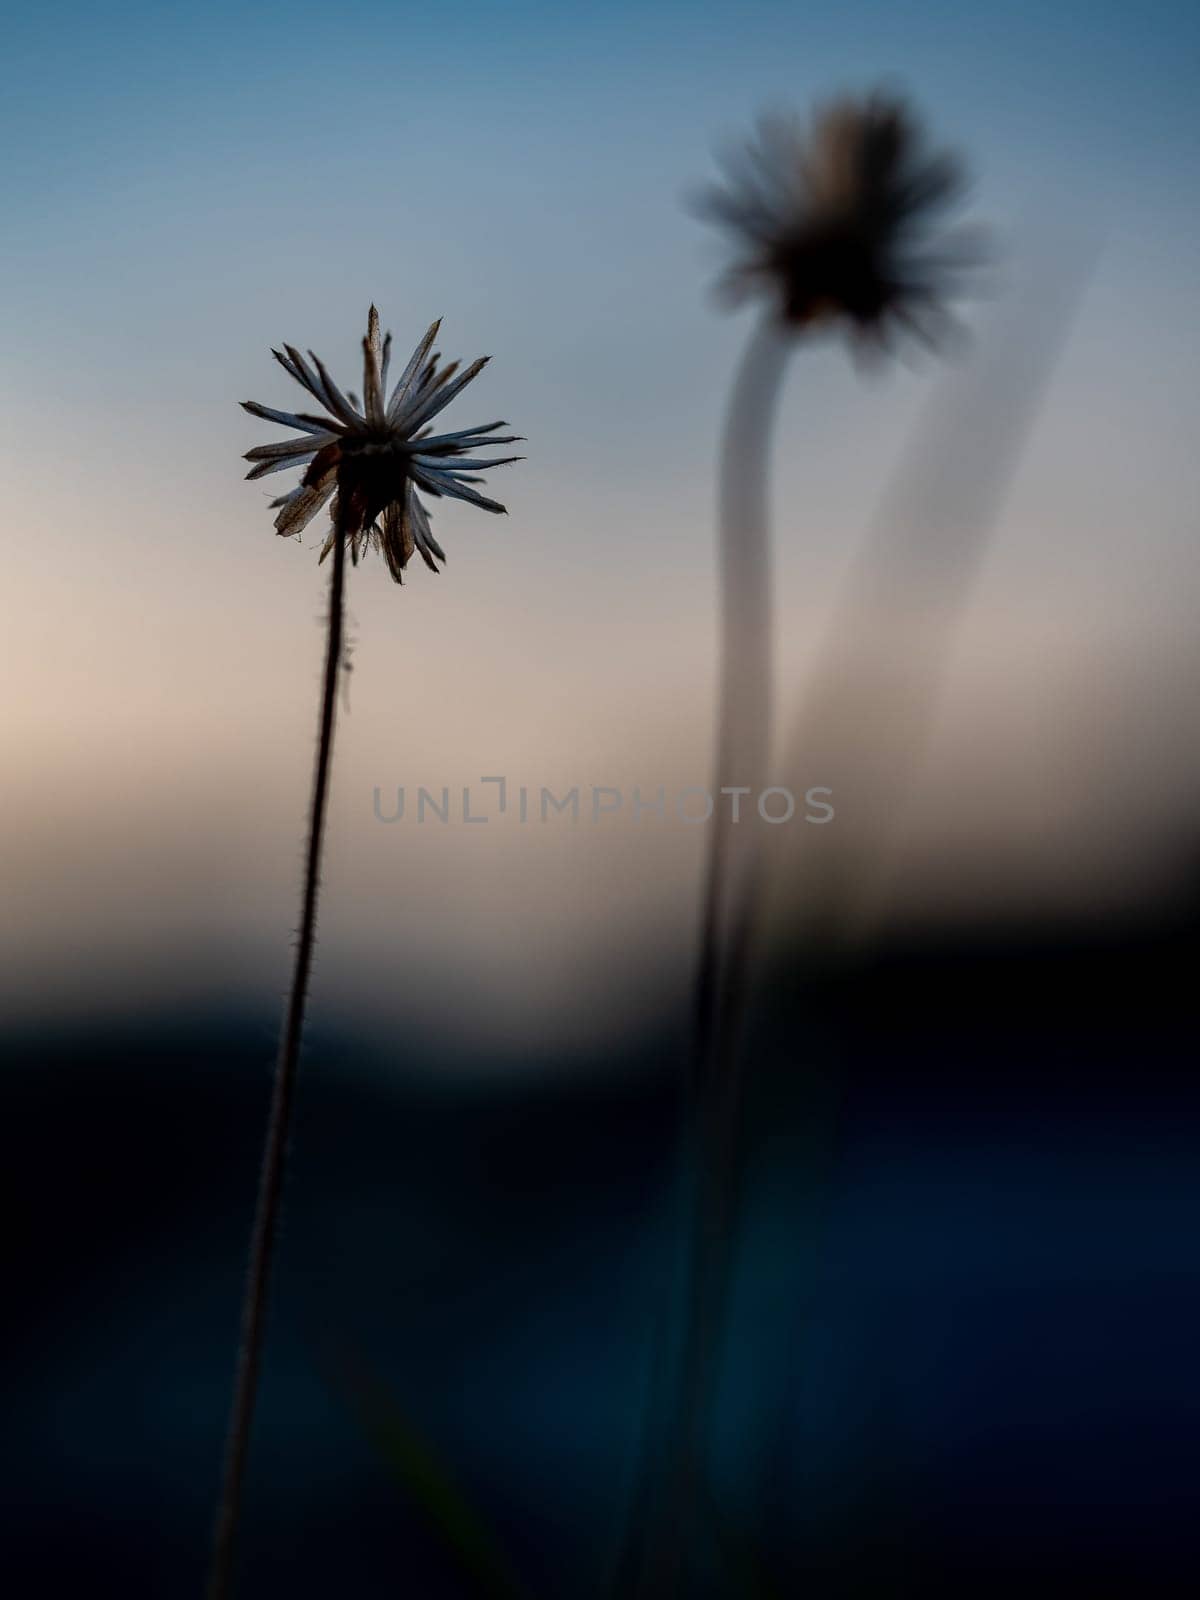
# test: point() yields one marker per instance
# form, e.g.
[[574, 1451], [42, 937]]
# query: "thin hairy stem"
[[270, 1185]]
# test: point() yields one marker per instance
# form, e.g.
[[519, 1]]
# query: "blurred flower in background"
[[840, 221]]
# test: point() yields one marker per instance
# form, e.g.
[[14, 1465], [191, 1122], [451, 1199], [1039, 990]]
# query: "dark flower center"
[[837, 270], [372, 471]]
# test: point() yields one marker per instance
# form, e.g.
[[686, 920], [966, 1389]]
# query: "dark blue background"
[[962, 1349]]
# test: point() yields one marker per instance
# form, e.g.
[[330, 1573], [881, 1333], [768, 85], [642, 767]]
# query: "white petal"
[[469, 433], [423, 532], [440, 483], [302, 505], [397, 542], [458, 464], [434, 376], [404, 381], [385, 362], [372, 384], [300, 370], [424, 409], [290, 447], [337, 401], [289, 419], [373, 408], [264, 469]]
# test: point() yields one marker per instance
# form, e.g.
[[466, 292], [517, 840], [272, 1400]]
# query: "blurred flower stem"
[[270, 1184], [835, 226], [745, 671], [742, 752]]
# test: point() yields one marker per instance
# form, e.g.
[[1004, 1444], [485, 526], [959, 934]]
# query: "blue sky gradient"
[[185, 187]]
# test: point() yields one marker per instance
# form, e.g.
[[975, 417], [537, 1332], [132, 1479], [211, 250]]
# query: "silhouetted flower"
[[839, 222], [369, 462]]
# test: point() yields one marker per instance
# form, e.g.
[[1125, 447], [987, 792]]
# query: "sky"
[[186, 187]]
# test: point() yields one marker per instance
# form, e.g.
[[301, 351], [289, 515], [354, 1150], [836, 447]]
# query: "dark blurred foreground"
[[962, 1356]]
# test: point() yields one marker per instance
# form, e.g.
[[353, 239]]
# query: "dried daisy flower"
[[841, 222], [367, 462]]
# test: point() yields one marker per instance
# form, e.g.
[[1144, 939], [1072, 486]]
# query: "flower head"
[[838, 222], [367, 462]]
